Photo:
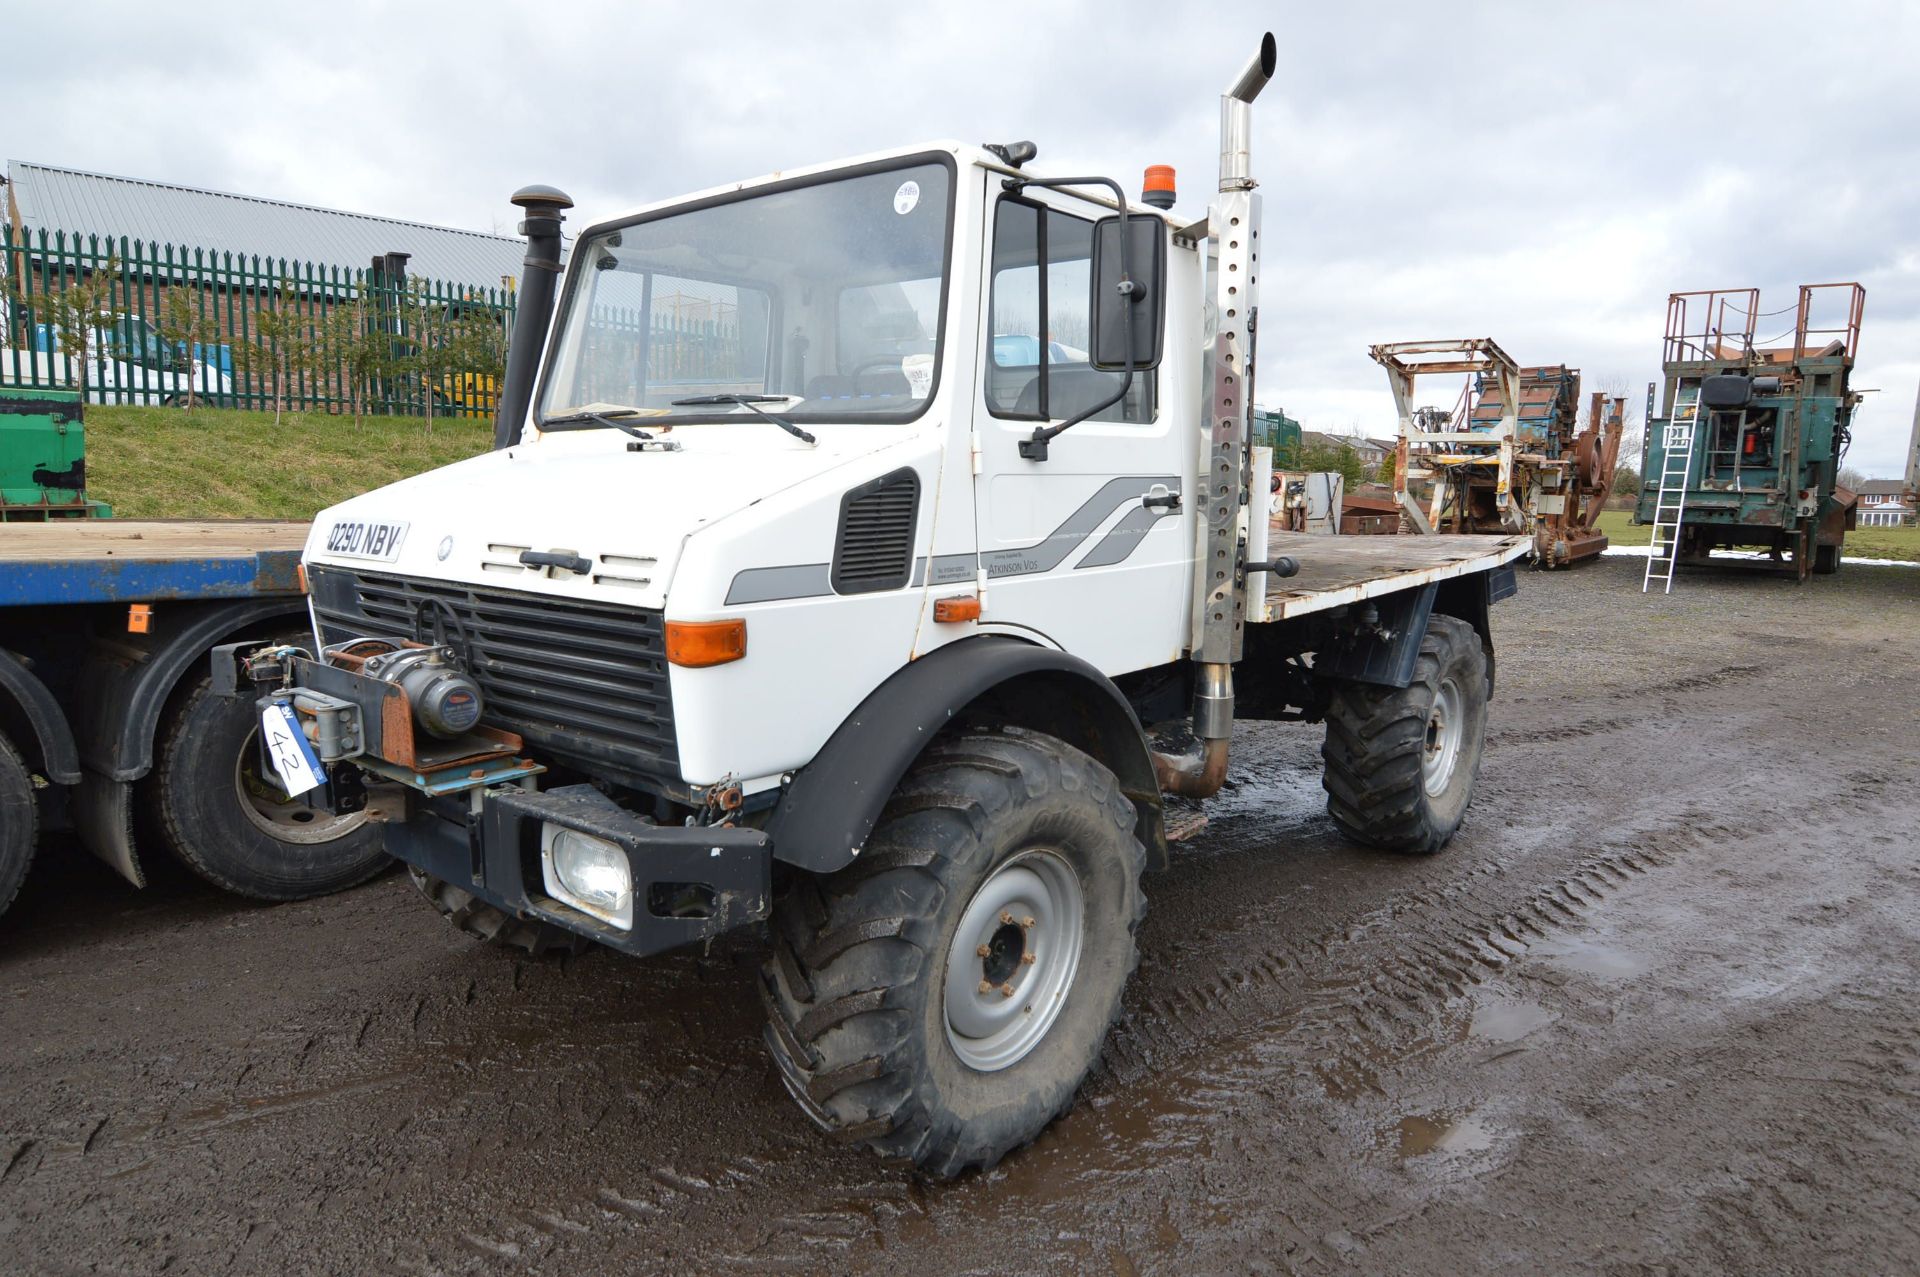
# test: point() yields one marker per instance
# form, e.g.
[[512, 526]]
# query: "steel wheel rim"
[[1446, 725], [281, 818], [1029, 918]]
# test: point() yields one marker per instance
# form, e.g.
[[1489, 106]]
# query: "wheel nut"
[[982, 952], [1029, 958], [1006, 917], [1006, 990], [986, 986], [1027, 923]]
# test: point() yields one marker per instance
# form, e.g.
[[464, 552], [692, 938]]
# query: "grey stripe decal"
[[810, 580], [1051, 552], [796, 581], [1123, 538]]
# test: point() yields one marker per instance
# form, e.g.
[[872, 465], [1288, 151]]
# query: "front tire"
[[942, 999], [19, 823], [233, 828], [1401, 762], [469, 914]]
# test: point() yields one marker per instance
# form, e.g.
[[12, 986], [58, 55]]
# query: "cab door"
[[1091, 548]]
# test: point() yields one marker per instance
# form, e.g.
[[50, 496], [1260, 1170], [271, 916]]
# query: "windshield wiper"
[[751, 403], [586, 420]]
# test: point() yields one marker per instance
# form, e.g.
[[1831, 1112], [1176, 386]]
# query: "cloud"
[[1540, 174]]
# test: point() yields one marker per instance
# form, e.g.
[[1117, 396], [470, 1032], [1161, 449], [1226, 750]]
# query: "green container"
[[43, 457]]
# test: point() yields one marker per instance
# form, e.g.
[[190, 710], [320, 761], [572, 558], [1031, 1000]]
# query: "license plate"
[[366, 539]]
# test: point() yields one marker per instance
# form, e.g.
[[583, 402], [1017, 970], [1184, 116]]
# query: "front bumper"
[[689, 884]]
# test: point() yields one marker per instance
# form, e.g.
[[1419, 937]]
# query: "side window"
[[1037, 363]]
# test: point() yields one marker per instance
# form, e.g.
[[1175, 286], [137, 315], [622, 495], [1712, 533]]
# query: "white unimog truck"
[[872, 550]]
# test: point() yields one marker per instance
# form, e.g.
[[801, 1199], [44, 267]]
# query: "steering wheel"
[[889, 364]]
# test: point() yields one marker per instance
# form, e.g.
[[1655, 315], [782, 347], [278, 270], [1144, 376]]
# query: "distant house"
[[1887, 503], [1370, 451], [39, 197]]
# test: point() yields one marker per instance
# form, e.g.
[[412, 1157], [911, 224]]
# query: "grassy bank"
[[163, 463], [1862, 543]]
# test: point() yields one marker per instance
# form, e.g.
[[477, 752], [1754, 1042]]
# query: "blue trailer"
[[107, 722]]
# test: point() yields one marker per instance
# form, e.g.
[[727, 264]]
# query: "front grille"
[[584, 681]]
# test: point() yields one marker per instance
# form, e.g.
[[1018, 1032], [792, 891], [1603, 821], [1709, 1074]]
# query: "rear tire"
[[1826, 560], [1401, 762], [474, 916], [19, 823], [236, 831], [1005, 861]]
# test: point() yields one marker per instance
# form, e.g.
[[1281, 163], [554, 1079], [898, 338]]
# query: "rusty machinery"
[[1509, 456]]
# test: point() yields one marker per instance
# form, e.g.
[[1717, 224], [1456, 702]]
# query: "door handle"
[[1165, 500]]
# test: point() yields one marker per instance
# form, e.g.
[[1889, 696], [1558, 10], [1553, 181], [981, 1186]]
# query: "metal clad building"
[[42, 198]]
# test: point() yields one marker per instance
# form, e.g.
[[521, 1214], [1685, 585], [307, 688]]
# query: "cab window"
[[1037, 363]]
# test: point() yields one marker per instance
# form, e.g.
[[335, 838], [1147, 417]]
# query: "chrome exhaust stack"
[[1220, 581], [1236, 116]]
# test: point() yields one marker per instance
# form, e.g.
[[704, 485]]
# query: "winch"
[[403, 712], [445, 701]]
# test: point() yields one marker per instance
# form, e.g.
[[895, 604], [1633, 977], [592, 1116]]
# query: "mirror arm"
[[1034, 447]]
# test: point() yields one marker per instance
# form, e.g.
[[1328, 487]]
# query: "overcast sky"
[[1539, 173]]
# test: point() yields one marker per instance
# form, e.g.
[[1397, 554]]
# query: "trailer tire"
[[19, 823], [217, 817], [1401, 762], [489, 925], [883, 1016], [1826, 560]]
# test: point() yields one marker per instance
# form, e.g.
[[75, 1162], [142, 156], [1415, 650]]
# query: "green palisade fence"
[[251, 330]]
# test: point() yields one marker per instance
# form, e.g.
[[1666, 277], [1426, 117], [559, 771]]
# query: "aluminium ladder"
[[1676, 464]]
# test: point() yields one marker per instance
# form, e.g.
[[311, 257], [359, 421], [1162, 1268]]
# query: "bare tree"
[[74, 309]]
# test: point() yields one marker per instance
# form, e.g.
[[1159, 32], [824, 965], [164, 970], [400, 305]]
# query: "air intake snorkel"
[[533, 311]]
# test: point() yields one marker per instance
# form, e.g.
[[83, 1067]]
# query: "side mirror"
[[1147, 267]]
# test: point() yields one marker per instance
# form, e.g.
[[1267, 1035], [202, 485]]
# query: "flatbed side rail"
[[111, 561], [1336, 571]]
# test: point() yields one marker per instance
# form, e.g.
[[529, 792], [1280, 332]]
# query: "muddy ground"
[[1654, 1010]]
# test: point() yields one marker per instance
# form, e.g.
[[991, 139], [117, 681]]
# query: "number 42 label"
[[288, 750]]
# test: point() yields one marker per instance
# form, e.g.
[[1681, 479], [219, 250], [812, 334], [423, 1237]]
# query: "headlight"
[[589, 873]]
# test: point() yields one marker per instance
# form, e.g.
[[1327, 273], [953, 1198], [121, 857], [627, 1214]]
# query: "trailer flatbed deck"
[[1337, 570], [124, 560]]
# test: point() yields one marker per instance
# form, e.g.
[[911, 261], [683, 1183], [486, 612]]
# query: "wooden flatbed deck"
[[1336, 570], [130, 560]]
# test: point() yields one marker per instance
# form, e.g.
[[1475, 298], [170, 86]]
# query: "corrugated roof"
[[55, 199]]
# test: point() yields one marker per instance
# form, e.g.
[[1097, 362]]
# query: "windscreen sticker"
[[906, 197]]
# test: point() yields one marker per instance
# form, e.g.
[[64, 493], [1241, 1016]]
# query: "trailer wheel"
[[235, 830], [942, 999], [1826, 560], [1401, 762], [19, 823], [474, 916]]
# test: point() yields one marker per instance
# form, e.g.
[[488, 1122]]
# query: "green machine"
[[43, 457], [1750, 443]]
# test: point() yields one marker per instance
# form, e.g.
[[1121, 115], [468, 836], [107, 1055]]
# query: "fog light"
[[589, 873]]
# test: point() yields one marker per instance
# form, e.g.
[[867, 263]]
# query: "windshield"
[[827, 294]]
